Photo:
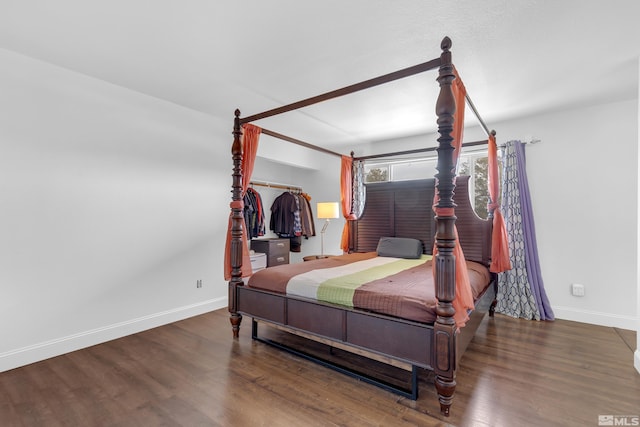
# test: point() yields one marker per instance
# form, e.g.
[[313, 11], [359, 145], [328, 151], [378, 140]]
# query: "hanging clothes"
[[306, 215], [292, 218], [254, 214], [283, 211]]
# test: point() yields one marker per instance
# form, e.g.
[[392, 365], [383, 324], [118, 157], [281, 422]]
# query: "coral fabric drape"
[[459, 94], [250, 138], [464, 297], [499, 240], [346, 189]]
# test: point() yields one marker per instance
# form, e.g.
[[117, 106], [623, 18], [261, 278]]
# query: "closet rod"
[[274, 185], [417, 150]]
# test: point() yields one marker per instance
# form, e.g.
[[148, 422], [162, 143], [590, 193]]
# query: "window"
[[417, 169], [475, 164], [400, 170], [477, 167], [376, 173]]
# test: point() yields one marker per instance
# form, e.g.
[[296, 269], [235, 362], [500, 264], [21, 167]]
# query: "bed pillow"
[[399, 247]]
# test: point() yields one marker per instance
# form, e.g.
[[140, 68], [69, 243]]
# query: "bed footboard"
[[396, 342], [402, 340]]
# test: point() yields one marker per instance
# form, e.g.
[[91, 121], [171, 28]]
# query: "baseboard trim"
[[596, 318], [41, 351]]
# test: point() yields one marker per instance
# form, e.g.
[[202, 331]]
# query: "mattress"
[[392, 286]]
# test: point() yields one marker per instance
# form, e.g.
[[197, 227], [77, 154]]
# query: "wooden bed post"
[[445, 326], [236, 226]]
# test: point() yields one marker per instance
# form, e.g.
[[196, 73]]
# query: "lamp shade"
[[328, 210]]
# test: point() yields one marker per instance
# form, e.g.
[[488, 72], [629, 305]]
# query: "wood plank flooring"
[[193, 373]]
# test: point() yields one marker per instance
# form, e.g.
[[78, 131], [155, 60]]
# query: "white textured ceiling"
[[516, 57]]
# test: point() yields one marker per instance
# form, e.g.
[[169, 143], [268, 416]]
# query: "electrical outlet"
[[577, 290], [199, 283]]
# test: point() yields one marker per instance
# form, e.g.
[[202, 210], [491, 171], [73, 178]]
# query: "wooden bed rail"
[[376, 81], [416, 151]]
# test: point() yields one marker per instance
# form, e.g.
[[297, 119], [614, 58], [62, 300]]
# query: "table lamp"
[[326, 211]]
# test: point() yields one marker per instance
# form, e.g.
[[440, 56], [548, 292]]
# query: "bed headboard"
[[404, 209]]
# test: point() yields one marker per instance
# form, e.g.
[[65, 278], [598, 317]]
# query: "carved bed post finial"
[[445, 44], [445, 327], [236, 226]]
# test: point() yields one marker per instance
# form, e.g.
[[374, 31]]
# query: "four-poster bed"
[[435, 342]]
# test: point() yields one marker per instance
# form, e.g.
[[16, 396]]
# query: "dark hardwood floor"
[[193, 373]]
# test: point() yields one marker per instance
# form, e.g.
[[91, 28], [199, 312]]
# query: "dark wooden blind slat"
[[396, 209], [404, 209]]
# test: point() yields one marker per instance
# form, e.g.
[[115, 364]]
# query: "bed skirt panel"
[[402, 340]]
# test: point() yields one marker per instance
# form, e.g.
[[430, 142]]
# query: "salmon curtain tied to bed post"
[[463, 301], [500, 246], [346, 196], [500, 259], [249, 142]]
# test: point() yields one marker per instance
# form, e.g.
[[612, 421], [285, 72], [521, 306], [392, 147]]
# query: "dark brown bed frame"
[[436, 346]]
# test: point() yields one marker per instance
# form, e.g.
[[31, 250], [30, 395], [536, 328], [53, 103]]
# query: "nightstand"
[[277, 250]]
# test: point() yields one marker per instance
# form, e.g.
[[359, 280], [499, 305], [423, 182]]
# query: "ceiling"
[[516, 57]]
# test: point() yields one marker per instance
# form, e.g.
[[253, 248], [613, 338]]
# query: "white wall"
[[582, 177], [583, 180], [637, 352], [110, 211], [113, 205]]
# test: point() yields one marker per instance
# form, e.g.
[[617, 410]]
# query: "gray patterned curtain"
[[358, 194], [520, 290]]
